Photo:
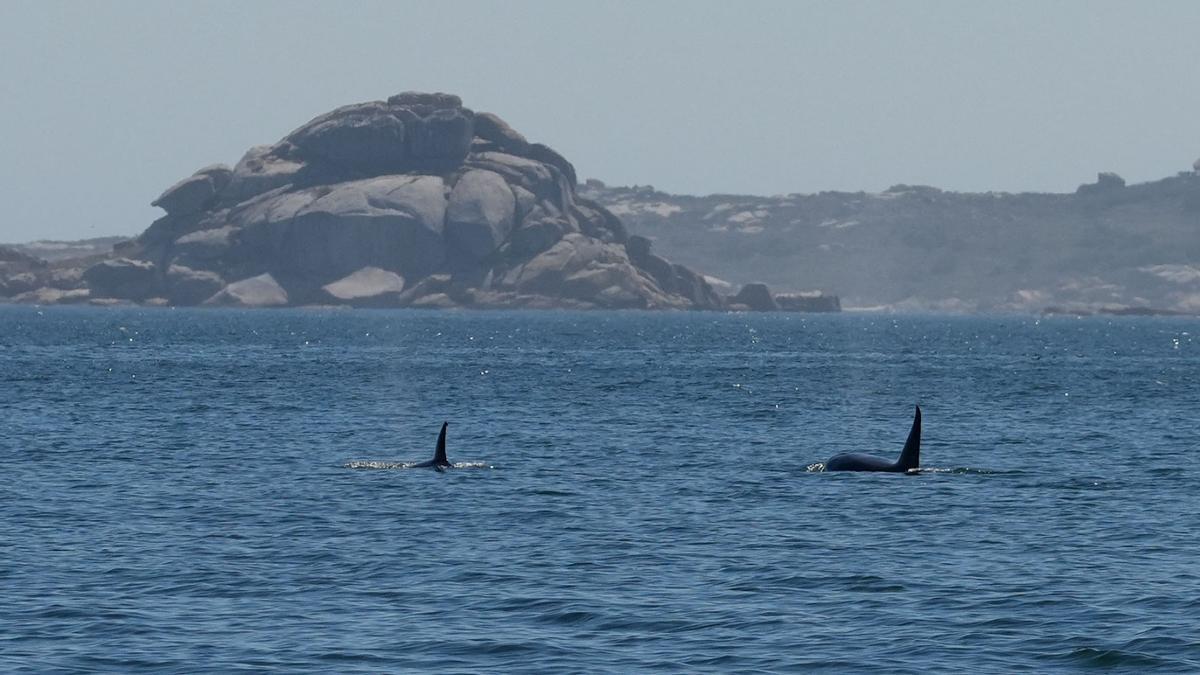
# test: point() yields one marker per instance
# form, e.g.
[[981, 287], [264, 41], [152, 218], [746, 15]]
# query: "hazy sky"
[[105, 104]]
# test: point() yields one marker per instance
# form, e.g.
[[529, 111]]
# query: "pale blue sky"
[[104, 104]]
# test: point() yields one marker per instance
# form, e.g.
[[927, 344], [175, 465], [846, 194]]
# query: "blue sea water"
[[635, 492]]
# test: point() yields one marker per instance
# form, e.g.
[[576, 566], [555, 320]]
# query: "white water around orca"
[[176, 492]]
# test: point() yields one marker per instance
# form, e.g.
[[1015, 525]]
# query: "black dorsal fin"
[[910, 456], [439, 455]]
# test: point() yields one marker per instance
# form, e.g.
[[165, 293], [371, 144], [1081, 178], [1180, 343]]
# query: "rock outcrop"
[[756, 297], [196, 192], [123, 278], [1107, 182], [12, 258], [259, 291], [18, 271], [413, 201], [368, 287]]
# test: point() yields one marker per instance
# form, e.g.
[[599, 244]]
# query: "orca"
[[910, 456], [439, 460]]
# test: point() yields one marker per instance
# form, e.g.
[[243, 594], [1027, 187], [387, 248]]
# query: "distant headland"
[[415, 201], [1106, 248]]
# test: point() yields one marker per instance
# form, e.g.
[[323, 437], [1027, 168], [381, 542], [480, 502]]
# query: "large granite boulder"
[[194, 193], [368, 136], [480, 214], [380, 203], [203, 248], [409, 131], [123, 278], [442, 139], [756, 297], [538, 178], [186, 286], [324, 233], [368, 287], [492, 130], [259, 291], [260, 170]]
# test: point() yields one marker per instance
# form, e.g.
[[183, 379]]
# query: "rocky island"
[[415, 201], [418, 201]]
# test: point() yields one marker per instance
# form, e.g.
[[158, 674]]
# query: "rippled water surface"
[[225, 490]]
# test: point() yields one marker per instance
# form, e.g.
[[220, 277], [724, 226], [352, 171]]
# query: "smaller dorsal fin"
[[910, 456], [439, 455]]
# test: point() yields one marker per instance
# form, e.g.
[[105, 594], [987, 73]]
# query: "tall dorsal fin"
[[910, 456], [439, 455]]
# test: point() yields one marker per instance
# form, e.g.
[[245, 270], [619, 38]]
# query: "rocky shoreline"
[[1105, 246], [415, 201]]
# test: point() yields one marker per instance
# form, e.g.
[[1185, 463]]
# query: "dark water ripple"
[[176, 495]]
